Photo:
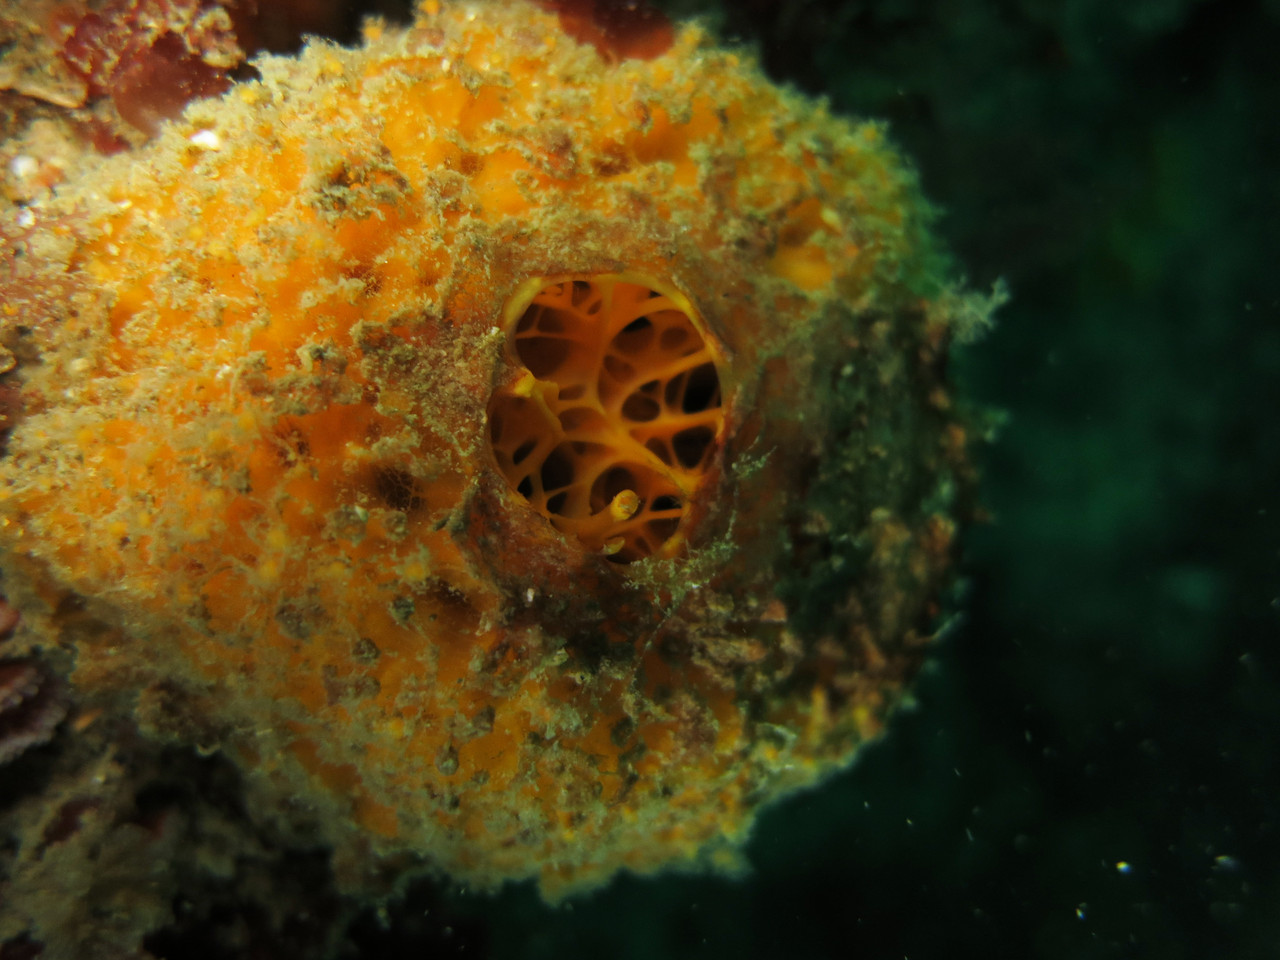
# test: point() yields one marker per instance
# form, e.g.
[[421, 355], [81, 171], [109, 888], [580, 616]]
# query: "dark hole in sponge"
[[620, 370], [674, 390], [557, 470], [550, 322], [702, 391], [617, 480], [691, 445], [663, 529], [397, 488], [612, 482], [634, 337], [580, 419], [659, 447], [523, 451], [543, 355], [529, 318], [640, 408], [674, 337]]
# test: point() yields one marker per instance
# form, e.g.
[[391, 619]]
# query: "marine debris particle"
[[526, 461]]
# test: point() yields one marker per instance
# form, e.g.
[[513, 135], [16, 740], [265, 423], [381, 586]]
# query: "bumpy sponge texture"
[[516, 462], [610, 429]]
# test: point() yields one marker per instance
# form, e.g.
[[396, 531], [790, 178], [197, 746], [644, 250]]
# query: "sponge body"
[[272, 450]]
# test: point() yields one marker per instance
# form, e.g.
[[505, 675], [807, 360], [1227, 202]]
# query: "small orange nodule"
[[617, 415]]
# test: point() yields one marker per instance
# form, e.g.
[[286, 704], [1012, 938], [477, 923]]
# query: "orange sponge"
[[520, 463]]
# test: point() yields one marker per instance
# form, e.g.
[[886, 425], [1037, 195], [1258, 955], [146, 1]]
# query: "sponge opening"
[[617, 416]]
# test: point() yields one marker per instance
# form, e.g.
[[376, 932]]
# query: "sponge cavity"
[[616, 414]]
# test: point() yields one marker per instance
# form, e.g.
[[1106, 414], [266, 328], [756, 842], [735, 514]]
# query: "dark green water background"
[[1093, 766]]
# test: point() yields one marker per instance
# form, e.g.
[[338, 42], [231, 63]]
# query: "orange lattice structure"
[[611, 431]]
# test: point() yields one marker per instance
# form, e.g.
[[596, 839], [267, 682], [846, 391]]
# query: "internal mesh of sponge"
[[613, 427]]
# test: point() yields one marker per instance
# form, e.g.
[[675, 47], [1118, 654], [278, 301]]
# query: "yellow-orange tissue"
[[521, 464]]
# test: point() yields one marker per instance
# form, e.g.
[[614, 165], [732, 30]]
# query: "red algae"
[[618, 29], [126, 66], [152, 57]]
